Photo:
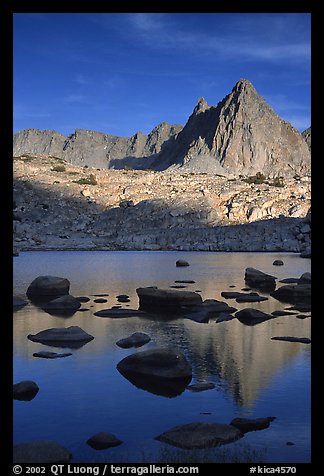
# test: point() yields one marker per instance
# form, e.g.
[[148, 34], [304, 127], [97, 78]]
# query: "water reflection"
[[240, 359]]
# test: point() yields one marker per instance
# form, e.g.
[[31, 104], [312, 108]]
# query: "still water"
[[84, 394]]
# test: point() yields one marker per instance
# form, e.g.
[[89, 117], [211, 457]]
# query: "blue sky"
[[120, 73]]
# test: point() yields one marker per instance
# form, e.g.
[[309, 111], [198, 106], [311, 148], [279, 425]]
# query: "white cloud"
[[22, 112], [74, 98], [80, 79], [246, 38]]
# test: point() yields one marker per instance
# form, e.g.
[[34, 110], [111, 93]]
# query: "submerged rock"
[[103, 440], [201, 386], [135, 340], [302, 340], [208, 309], [231, 294], [251, 424], [72, 336], [115, 312], [250, 297], [51, 355], [122, 298], [278, 262], [62, 303], [41, 452], [82, 298], [200, 435], [163, 300], [25, 390], [181, 262], [251, 317]]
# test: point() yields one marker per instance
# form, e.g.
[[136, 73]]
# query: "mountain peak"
[[243, 85], [201, 106]]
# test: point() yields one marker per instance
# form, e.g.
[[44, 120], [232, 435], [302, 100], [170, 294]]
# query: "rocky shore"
[[58, 206]]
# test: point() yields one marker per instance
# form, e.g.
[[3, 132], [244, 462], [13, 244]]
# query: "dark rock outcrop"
[[307, 135]]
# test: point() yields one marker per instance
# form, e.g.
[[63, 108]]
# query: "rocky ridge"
[[242, 135], [63, 206]]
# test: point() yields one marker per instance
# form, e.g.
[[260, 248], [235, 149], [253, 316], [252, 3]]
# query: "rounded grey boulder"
[[181, 263], [162, 363], [62, 303], [72, 336], [278, 262], [48, 286], [25, 390], [161, 371], [135, 340]]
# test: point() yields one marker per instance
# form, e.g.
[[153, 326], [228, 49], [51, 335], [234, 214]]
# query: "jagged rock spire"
[[201, 106]]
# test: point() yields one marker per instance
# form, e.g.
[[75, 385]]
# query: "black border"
[[6, 31]]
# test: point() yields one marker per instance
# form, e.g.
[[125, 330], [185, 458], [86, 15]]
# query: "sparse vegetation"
[[258, 178], [24, 158], [91, 180], [277, 182], [59, 168]]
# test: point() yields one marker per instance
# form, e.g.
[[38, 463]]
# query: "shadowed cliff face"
[[241, 135]]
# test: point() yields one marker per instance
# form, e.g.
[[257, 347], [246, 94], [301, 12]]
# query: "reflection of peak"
[[201, 106]]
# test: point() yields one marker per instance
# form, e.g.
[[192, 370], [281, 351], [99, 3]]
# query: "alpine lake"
[[84, 393]]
